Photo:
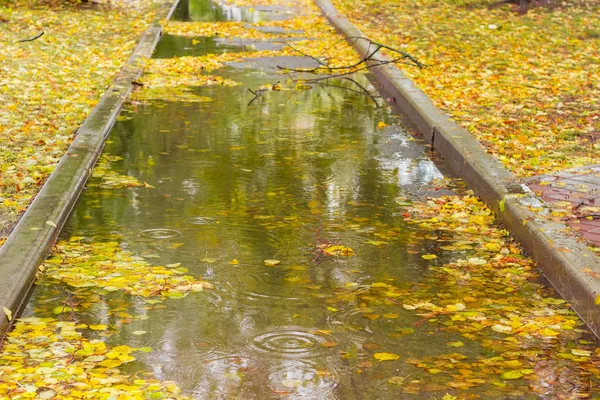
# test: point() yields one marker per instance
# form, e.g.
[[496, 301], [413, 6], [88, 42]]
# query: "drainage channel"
[[286, 245]]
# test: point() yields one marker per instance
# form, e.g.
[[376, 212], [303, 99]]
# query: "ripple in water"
[[292, 342], [259, 285], [202, 221], [353, 321], [161, 233]]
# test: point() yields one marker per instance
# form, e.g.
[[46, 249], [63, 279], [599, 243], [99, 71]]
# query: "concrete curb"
[[558, 254], [31, 240]]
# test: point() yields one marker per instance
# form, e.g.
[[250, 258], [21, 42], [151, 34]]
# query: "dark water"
[[274, 178]]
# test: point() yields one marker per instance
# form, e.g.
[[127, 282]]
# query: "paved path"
[[579, 187]]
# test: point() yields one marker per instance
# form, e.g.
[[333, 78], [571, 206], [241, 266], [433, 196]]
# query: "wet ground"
[[293, 205]]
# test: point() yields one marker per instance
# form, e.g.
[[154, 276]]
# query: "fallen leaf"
[[386, 356]]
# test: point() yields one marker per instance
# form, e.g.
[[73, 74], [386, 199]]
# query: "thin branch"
[[367, 59], [31, 39]]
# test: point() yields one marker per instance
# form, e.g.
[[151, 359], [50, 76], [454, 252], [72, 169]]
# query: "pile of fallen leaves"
[[106, 267], [49, 85], [43, 358], [527, 86]]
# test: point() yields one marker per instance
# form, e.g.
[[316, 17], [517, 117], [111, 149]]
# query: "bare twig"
[[368, 59], [31, 39]]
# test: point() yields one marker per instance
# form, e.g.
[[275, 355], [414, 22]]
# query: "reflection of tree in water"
[[273, 174]]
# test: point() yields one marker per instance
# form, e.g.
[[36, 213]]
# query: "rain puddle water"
[[291, 207]]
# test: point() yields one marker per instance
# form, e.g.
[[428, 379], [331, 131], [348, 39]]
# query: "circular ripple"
[[161, 233], [291, 343], [202, 220], [353, 321], [253, 285]]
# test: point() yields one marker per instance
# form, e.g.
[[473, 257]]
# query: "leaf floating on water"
[[477, 261], [455, 344], [234, 262], [386, 356], [501, 328], [376, 242], [272, 263], [99, 327], [338, 251], [428, 256], [581, 352], [396, 380], [514, 374]]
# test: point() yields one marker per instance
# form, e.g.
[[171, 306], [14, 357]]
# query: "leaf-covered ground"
[[527, 86], [48, 86]]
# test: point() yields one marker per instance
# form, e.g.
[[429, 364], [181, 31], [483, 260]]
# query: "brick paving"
[[581, 188]]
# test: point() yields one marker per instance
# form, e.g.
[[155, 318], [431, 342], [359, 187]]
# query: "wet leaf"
[[8, 313], [98, 327], [514, 374], [581, 352], [396, 380], [338, 251], [272, 263], [386, 356]]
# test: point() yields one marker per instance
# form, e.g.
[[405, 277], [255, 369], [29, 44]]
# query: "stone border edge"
[[567, 263], [37, 230]]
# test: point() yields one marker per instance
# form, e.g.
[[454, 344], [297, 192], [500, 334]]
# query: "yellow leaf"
[[515, 374], [501, 328], [7, 312], [338, 251], [492, 247], [234, 262], [396, 380], [581, 352], [98, 327], [272, 263], [597, 301], [428, 256], [455, 344], [386, 356], [381, 125], [455, 307]]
